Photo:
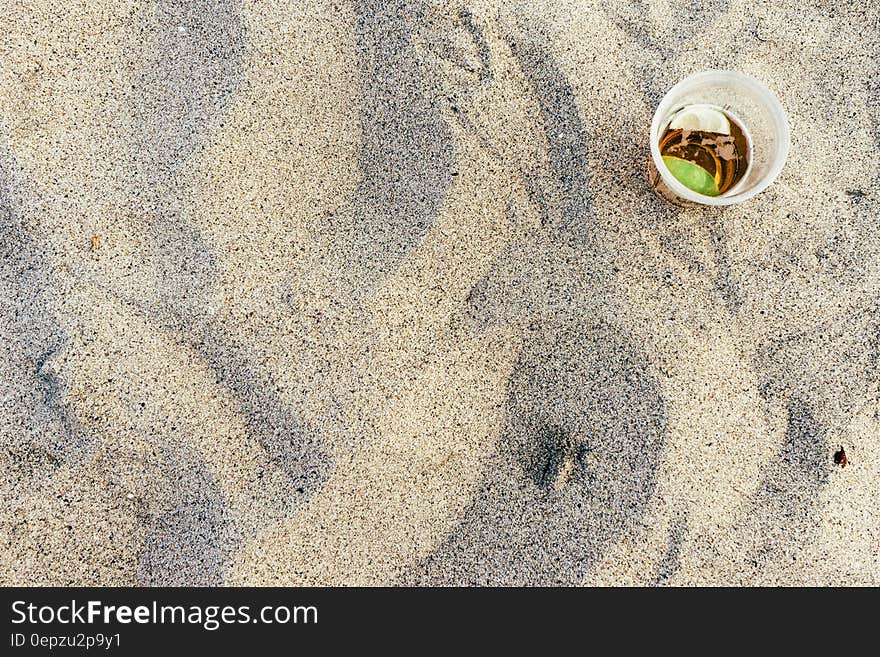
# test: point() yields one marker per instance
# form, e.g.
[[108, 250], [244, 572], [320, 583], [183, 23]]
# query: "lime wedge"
[[692, 176], [701, 117]]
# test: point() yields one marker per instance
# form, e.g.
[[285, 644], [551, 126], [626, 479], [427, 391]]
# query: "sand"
[[377, 293]]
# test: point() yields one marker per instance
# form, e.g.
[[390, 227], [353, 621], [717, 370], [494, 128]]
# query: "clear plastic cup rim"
[[780, 122]]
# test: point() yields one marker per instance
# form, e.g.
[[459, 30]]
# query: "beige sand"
[[377, 293]]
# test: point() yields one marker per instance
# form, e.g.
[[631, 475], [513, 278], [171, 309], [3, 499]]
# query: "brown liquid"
[[724, 157]]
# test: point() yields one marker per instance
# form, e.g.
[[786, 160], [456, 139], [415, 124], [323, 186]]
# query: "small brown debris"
[[840, 457], [96, 242], [855, 195]]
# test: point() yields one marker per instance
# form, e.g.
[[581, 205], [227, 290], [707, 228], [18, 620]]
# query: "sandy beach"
[[377, 293]]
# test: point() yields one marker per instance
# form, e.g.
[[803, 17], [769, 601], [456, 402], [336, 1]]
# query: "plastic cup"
[[758, 111]]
